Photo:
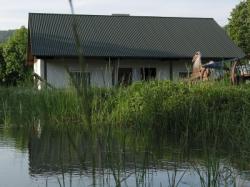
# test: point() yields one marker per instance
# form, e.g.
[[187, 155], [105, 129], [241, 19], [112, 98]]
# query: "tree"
[[14, 58], [2, 64], [239, 25]]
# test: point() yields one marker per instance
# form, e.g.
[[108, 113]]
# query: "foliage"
[[239, 25], [213, 111], [13, 59], [2, 63], [212, 117]]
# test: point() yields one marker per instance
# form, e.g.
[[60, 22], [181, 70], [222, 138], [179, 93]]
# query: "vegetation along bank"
[[209, 110]]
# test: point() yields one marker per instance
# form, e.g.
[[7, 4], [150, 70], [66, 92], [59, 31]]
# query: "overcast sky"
[[14, 13]]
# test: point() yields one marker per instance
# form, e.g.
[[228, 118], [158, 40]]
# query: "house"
[[121, 48]]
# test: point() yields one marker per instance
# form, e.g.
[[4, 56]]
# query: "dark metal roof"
[[129, 36]]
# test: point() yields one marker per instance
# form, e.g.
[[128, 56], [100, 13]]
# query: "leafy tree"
[[14, 58], [2, 63], [239, 25]]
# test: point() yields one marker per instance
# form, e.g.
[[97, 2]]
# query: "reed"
[[209, 113]]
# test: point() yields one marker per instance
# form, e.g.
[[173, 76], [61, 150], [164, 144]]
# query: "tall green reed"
[[82, 89], [196, 114]]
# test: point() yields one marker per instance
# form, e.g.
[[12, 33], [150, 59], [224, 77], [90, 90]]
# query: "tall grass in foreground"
[[202, 112]]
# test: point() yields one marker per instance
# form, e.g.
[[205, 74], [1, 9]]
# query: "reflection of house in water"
[[65, 152], [56, 153], [69, 153], [115, 159]]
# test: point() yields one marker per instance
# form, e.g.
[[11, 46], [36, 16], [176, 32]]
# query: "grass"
[[212, 113], [142, 126]]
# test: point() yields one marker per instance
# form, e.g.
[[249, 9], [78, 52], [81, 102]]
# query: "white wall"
[[38, 68], [180, 66], [101, 70], [57, 74], [162, 67]]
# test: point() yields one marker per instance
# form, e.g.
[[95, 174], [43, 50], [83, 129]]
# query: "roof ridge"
[[130, 16]]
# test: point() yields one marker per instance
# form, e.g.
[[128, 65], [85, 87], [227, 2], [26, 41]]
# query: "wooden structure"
[[239, 72]]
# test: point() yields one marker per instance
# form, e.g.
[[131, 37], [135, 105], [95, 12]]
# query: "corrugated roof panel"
[[129, 36]]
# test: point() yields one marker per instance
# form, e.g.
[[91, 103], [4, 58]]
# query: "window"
[[124, 76], [80, 78], [183, 75], [148, 73]]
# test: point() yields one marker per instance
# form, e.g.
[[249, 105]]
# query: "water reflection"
[[76, 157]]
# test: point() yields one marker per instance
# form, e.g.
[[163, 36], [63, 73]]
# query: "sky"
[[14, 13]]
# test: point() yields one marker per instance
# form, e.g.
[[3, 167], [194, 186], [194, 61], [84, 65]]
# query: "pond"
[[73, 157]]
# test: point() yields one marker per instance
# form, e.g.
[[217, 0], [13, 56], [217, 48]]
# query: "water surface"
[[55, 158]]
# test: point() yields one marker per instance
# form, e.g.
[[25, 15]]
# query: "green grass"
[[210, 113]]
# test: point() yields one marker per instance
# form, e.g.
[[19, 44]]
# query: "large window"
[[124, 76], [148, 73], [80, 78]]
